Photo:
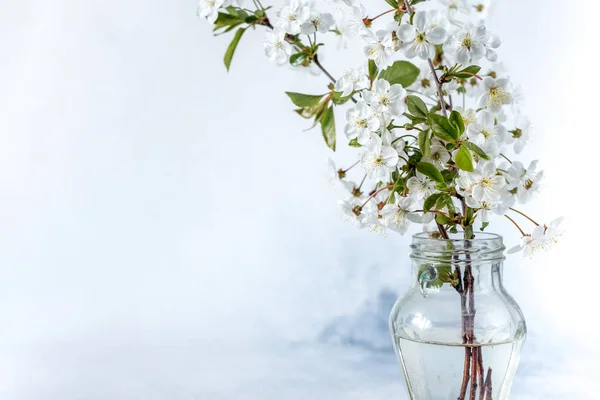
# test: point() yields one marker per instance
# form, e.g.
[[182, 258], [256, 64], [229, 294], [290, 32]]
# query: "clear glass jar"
[[457, 332]]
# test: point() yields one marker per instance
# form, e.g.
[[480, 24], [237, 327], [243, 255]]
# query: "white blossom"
[[384, 97], [519, 136], [471, 43], [526, 182], [487, 134], [399, 215], [420, 37], [292, 15], [420, 186], [438, 155], [353, 80], [543, 238], [209, 9], [380, 158], [276, 48], [336, 176], [484, 184], [380, 48], [317, 23], [495, 93], [352, 211], [361, 123]]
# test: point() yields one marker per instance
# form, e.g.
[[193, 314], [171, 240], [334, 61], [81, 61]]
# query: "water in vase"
[[436, 371]]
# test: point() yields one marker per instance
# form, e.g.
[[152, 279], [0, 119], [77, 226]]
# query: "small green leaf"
[[468, 72], [401, 72], [305, 100], [425, 143], [328, 127], [442, 128], [430, 201], [338, 99], [484, 225], [457, 120], [416, 106], [469, 216], [430, 171], [373, 70], [297, 59], [232, 46], [445, 201], [464, 159], [449, 176], [415, 120], [354, 143], [238, 12], [476, 149], [392, 3], [469, 232], [442, 219], [226, 20]]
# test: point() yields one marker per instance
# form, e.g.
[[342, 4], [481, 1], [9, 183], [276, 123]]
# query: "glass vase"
[[457, 332]]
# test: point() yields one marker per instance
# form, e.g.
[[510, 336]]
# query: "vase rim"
[[458, 237], [485, 246]]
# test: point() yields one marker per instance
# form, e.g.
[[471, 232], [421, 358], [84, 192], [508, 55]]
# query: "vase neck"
[[446, 263]]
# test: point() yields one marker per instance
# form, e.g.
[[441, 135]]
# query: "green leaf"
[[354, 143], [476, 149], [445, 201], [416, 106], [328, 127], [392, 3], [373, 70], [415, 120], [297, 59], [305, 100], [442, 219], [238, 12], [430, 201], [232, 46], [430, 171], [401, 72], [469, 216], [464, 159], [425, 143], [449, 176], [442, 128], [226, 20], [457, 120], [484, 225], [468, 72], [469, 232], [338, 99]]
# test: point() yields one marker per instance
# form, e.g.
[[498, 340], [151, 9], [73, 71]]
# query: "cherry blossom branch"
[[318, 64], [408, 8], [525, 215], [375, 193], [268, 24], [440, 90], [517, 225], [382, 14]]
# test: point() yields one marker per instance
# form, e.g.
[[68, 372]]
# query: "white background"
[[167, 231]]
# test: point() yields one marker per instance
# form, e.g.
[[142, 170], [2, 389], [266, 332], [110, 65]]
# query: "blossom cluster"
[[436, 119]]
